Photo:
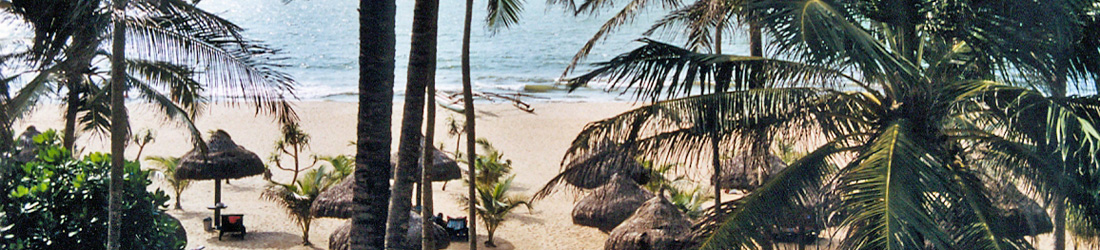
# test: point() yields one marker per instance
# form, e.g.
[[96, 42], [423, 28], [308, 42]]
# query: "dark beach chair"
[[456, 228], [232, 223]]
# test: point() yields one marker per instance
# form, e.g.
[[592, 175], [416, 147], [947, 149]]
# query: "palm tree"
[[493, 205], [120, 128], [422, 61], [142, 138], [502, 13], [167, 37], [928, 102], [167, 167], [372, 151], [293, 142], [298, 197]]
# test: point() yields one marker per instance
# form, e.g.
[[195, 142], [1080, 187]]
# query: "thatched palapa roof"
[[224, 159], [609, 205], [736, 174], [336, 201], [657, 224], [444, 168], [341, 238], [595, 167], [25, 149]]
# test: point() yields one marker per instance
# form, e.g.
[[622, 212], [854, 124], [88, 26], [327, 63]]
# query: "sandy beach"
[[534, 142]]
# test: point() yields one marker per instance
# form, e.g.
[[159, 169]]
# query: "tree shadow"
[[256, 240]]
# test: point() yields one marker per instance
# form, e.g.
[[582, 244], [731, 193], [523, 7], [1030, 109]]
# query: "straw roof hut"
[[444, 168], [736, 174], [224, 159], [341, 238], [336, 201], [25, 149], [609, 205], [655, 225], [596, 167]]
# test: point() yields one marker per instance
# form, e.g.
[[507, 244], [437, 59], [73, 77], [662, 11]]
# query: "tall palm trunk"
[[119, 126], [471, 145], [426, 183], [372, 151], [421, 72], [80, 54]]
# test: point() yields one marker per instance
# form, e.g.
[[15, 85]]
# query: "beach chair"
[[232, 223], [456, 228]]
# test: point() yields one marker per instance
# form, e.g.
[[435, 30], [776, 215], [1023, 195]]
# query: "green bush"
[[57, 202]]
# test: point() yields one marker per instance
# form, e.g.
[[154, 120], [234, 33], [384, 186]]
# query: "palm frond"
[[696, 22], [821, 33], [657, 69], [623, 17], [737, 224], [676, 130], [975, 225], [169, 108], [503, 13], [247, 74], [178, 80], [889, 189]]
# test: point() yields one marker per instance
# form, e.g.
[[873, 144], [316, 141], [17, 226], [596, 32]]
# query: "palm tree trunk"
[[85, 42], [471, 145], [373, 138], [426, 183], [421, 71], [119, 126]]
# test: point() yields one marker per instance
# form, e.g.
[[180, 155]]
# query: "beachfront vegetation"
[[167, 40], [494, 204], [141, 139], [166, 168], [293, 142], [919, 101], [57, 202], [298, 197]]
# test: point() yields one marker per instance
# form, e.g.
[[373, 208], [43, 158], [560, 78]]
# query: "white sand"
[[534, 142]]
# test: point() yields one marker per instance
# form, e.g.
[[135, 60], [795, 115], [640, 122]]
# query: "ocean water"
[[320, 39]]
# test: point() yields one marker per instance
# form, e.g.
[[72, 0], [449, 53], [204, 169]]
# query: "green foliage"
[[491, 164], [166, 167], [685, 194], [293, 142], [297, 198], [56, 202], [494, 204], [342, 165]]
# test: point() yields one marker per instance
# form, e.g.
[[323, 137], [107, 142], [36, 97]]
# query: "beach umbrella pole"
[[217, 203]]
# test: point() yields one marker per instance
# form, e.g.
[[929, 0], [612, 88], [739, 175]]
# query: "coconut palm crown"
[[914, 99]]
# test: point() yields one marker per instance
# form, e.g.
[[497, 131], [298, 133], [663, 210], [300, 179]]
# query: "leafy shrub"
[[57, 202]]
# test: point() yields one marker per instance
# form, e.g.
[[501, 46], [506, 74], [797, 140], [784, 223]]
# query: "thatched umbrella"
[[25, 148], [223, 159], [657, 224], [1019, 215], [336, 201], [736, 174], [596, 167], [341, 238], [444, 168], [607, 206]]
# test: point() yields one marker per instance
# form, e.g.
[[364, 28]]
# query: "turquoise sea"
[[320, 39]]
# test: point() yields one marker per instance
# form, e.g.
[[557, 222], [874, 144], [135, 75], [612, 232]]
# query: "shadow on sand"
[[255, 240]]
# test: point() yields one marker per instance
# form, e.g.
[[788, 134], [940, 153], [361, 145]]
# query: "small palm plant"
[[299, 196], [494, 204], [342, 165], [686, 196], [166, 167], [142, 138], [491, 165]]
